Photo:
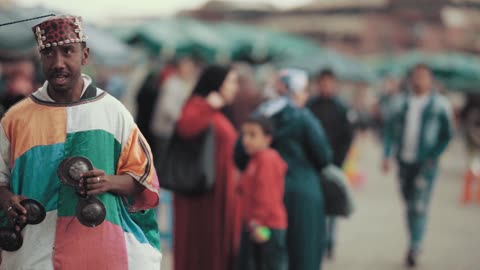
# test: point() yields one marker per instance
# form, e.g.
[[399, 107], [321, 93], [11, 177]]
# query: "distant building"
[[4, 4], [365, 27]]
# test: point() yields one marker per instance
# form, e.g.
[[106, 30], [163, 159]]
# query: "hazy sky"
[[98, 10]]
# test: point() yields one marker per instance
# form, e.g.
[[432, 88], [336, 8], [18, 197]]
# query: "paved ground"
[[375, 237]]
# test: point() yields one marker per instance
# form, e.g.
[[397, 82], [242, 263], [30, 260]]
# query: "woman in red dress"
[[207, 227]]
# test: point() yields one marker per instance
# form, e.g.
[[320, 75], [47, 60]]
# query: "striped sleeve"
[[136, 160], [5, 173]]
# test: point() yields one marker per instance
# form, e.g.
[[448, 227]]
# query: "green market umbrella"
[[344, 67], [241, 39], [456, 71], [250, 43], [17, 40], [106, 49], [124, 32], [171, 37], [209, 42]]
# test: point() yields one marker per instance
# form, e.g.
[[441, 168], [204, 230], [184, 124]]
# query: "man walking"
[[418, 129]]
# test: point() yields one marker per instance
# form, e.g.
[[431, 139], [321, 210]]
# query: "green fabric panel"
[[103, 150], [34, 174], [147, 221]]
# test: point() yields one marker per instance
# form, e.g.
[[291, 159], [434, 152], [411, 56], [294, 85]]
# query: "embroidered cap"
[[58, 31]]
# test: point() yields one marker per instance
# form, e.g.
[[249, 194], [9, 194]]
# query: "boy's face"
[[254, 139]]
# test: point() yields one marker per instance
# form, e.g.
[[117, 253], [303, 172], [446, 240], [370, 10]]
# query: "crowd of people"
[[273, 141]]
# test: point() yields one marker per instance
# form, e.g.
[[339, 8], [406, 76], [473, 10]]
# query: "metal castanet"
[[11, 239], [69, 170], [35, 211], [90, 211]]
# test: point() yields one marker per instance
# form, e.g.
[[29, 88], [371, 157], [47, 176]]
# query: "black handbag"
[[337, 196], [188, 165]]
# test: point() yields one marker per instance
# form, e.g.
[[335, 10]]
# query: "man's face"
[[187, 69], [422, 80], [327, 85], [62, 65]]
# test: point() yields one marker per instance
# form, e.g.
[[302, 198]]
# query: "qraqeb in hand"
[[89, 211], [10, 238]]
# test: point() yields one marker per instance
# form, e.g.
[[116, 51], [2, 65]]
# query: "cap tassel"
[[31, 19]]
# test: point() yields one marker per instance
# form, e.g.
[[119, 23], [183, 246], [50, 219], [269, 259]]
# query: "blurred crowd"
[[343, 109]]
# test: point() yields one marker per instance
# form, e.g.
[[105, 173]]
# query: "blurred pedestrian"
[[207, 226], [470, 119], [417, 132], [301, 141], [333, 115], [248, 97], [19, 82], [388, 91], [146, 101], [263, 244], [174, 90]]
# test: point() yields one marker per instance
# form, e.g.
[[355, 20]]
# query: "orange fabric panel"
[[47, 123]]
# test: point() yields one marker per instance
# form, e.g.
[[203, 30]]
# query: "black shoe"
[[329, 253], [411, 260]]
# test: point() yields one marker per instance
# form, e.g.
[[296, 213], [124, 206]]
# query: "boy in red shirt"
[[263, 245]]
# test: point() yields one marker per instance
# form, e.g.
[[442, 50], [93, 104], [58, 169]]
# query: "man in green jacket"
[[417, 131]]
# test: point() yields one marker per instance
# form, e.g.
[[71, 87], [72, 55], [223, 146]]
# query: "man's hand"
[[215, 100], [386, 165], [16, 213], [98, 182]]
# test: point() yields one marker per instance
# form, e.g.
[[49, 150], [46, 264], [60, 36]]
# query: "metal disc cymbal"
[[35, 211], [69, 169], [10, 240], [90, 211]]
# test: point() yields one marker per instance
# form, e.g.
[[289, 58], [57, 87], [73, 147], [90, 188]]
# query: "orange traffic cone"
[[478, 189], [355, 175], [467, 186]]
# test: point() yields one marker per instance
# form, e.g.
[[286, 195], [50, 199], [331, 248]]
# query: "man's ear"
[[85, 55]]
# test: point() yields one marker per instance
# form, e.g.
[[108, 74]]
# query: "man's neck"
[[68, 96]]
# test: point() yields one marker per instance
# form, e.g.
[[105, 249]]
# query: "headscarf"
[[211, 80], [294, 80]]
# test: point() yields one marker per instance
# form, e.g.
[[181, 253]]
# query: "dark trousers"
[[331, 226], [271, 255], [416, 184]]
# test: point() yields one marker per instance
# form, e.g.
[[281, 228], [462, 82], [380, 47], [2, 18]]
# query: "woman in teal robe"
[[301, 141]]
